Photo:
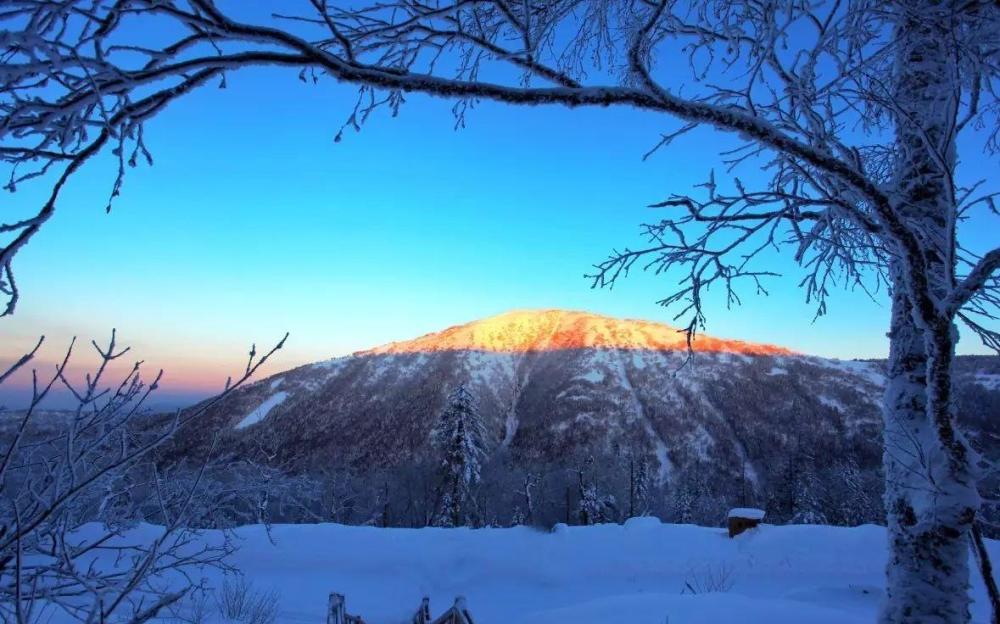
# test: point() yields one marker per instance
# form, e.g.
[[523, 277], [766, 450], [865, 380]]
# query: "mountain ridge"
[[548, 329]]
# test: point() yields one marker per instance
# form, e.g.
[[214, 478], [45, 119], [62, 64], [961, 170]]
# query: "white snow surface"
[[863, 368], [747, 512], [991, 381], [593, 376], [584, 575], [832, 402], [333, 363], [262, 410]]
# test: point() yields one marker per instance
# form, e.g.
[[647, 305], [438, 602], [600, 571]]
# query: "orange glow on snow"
[[553, 330]]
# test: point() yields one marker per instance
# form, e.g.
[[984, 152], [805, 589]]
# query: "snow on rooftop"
[[262, 410], [747, 512]]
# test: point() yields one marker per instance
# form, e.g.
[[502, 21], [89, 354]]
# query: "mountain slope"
[[555, 388]]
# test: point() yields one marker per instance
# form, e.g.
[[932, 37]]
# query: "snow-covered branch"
[[86, 52], [718, 240], [978, 278], [780, 103], [74, 481]]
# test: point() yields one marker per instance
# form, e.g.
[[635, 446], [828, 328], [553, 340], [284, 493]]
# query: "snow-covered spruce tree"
[[682, 502], [856, 499], [854, 111], [459, 436], [593, 505], [638, 484], [807, 505], [606, 508]]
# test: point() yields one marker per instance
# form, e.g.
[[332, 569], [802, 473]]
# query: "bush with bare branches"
[[70, 492]]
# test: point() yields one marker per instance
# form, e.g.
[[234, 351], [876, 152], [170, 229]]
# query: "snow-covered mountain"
[[557, 386], [549, 383]]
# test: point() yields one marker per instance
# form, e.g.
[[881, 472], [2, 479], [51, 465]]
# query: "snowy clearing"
[[262, 410], [636, 573]]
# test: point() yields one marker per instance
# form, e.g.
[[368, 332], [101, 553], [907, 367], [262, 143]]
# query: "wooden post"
[[741, 519], [462, 611], [457, 614], [423, 614], [337, 612]]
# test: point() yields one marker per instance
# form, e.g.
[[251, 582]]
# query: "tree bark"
[[927, 574], [930, 494]]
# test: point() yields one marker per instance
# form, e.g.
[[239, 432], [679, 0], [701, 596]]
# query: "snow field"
[[641, 572]]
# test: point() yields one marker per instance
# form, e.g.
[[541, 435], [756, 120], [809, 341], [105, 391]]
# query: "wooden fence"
[[457, 614]]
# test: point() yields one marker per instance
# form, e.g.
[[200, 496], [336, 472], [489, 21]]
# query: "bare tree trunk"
[[930, 492]]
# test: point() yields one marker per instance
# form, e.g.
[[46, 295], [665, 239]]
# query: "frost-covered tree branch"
[[779, 102], [394, 47], [853, 111], [978, 280], [718, 239], [72, 482]]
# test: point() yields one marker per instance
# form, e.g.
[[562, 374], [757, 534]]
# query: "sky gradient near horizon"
[[253, 222]]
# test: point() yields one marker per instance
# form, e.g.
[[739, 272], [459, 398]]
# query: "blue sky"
[[253, 222]]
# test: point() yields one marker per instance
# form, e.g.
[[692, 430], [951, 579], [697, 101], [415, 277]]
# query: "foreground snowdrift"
[[585, 575]]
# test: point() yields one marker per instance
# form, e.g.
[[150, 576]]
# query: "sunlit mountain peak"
[[552, 330]]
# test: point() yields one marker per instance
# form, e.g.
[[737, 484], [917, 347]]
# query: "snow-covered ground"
[[635, 573]]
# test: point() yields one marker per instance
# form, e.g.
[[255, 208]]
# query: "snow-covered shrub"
[[709, 579], [75, 483], [240, 603], [196, 608]]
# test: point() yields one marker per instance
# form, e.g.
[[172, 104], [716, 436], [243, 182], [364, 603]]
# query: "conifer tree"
[[807, 505], [594, 507], [638, 492], [459, 436]]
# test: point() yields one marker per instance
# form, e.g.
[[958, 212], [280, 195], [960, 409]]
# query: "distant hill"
[[738, 422]]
